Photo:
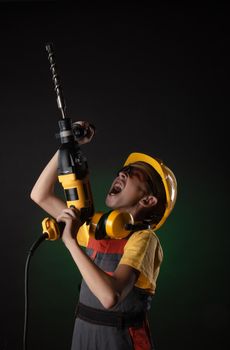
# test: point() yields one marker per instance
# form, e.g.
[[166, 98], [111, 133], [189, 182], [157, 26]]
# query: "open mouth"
[[116, 188]]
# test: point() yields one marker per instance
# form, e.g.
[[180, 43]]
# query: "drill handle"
[[52, 229]]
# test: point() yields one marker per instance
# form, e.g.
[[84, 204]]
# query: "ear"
[[148, 201]]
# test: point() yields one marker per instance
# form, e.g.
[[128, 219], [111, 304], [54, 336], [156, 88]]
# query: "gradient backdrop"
[[154, 79]]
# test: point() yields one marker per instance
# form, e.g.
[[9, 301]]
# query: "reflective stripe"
[[107, 245], [106, 253]]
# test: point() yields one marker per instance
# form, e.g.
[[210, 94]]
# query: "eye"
[[126, 170]]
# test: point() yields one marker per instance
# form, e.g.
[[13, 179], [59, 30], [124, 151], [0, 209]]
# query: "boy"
[[119, 275]]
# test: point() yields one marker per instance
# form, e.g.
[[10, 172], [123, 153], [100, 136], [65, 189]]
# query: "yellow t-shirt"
[[143, 252]]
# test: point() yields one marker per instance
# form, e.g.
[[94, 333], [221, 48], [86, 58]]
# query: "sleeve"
[[144, 253]]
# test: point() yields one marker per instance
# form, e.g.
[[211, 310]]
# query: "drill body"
[[73, 173]]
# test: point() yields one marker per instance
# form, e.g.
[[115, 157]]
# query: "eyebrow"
[[140, 174]]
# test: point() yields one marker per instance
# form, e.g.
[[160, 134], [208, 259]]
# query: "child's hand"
[[71, 218], [89, 130]]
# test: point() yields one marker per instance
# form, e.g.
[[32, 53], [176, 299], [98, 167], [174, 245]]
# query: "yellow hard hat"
[[167, 177]]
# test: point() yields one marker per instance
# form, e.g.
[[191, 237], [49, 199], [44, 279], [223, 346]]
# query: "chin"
[[111, 202]]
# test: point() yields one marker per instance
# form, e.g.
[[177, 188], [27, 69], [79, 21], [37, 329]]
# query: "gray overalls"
[[93, 335]]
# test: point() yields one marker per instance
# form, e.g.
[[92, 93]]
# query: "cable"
[[31, 251]]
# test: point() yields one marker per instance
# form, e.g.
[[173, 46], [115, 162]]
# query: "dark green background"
[[154, 79]]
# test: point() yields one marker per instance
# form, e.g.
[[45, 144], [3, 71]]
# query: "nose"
[[122, 175]]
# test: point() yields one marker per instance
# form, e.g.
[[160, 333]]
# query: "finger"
[[89, 128], [69, 214], [64, 218], [71, 211], [92, 128], [82, 123]]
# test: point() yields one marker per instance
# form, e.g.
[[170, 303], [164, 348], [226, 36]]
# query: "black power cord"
[[31, 251]]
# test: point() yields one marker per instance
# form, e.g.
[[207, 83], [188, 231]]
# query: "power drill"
[[73, 173]]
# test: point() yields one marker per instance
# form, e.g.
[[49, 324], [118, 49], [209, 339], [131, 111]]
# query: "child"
[[119, 275]]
